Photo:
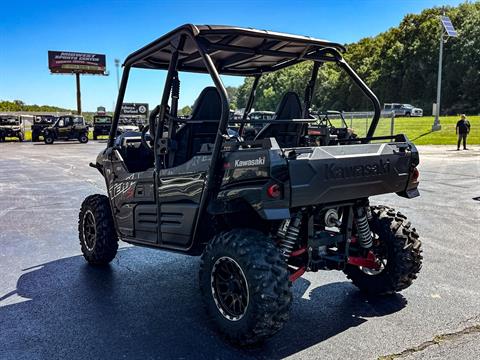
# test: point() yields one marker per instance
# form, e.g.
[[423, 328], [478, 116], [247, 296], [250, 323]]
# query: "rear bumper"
[[101, 130]]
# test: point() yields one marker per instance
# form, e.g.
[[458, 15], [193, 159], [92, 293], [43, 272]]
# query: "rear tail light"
[[274, 191], [415, 174]]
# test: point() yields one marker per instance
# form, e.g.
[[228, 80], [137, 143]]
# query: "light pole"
[[117, 65], [446, 32], [436, 123]]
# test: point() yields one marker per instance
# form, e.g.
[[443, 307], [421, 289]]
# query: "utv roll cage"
[[324, 117], [226, 50]]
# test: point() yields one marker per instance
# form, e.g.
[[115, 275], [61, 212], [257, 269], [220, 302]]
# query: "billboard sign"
[[134, 109], [66, 62]]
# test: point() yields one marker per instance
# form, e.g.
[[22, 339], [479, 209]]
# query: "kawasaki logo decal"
[[332, 171], [253, 162]]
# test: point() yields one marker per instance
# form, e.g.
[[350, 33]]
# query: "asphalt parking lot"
[[146, 305]]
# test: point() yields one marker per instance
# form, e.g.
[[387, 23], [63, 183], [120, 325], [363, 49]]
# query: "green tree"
[[185, 111], [232, 96], [400, 65]]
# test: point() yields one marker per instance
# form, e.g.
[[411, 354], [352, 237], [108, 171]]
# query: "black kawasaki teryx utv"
[[262, 212], [66, 127]]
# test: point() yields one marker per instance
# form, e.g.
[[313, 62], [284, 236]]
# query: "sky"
[[28, 29]]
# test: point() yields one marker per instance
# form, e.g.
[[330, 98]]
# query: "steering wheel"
[[146, 143]]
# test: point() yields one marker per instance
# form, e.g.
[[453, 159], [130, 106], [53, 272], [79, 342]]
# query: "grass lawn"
[[419, 130]]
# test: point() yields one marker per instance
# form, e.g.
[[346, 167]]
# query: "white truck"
[[401, 110]]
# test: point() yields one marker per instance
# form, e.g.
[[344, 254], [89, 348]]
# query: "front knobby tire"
[[244, 285], [403, 254], [83, 139], [98, 239]]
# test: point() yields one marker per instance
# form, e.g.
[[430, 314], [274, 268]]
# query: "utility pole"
[[447, 31], [117, 65], [79, 95]]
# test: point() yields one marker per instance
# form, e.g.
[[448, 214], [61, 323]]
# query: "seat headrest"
[[289, 107], [208, 105]]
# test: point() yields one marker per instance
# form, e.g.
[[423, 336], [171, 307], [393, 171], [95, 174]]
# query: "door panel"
[[177, 221], [64, 131], [146, 224], [179, 192], [132, 197]]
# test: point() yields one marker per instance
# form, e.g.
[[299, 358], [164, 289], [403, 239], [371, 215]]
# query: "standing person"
[[462, 130]]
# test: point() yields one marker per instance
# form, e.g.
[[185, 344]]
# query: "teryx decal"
[[127, 188]]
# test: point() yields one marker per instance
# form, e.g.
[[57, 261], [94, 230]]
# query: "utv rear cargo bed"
[[327, 174]]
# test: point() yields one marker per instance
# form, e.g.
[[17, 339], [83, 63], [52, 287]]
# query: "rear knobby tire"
[[98, 239], [83, 138], [266, 277], [48, 139], [404, 259]]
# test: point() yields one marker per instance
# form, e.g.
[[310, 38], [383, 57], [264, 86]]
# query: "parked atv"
[[101, 125], [66, 128], [11, 126], [40, 122], [260, 212], [331, 129]]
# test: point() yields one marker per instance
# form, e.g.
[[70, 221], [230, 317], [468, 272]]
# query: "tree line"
[[400, 65], [18, 105]]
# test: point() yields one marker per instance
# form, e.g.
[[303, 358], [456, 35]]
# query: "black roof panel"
[[234, 50]]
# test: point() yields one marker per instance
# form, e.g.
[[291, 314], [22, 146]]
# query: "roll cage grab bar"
[[204, 48]]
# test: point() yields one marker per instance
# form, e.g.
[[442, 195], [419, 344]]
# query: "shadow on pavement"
[[422, 135], [147, 305], [58, 143]]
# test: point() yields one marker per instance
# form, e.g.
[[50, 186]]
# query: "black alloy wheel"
[[89, 230], [229, 288]]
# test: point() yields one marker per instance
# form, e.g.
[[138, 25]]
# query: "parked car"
[[401, 110]]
